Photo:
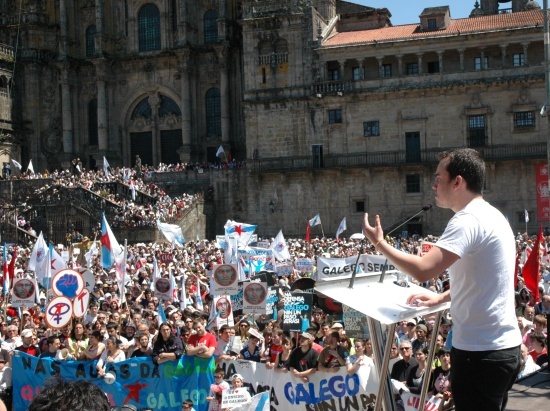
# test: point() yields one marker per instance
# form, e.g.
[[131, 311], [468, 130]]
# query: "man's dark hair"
[[51, 339], [467, 163], [112, 325], [65, 395]]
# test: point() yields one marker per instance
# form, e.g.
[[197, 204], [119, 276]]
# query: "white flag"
[[526, 216], [172, 232], [39, 261], [220, 151], [30, 167], [91, 254], [57, 263], [198, 298], [279, 247], [341, 228], [315, 221], [16, 164], [105, 167], [133, 190]]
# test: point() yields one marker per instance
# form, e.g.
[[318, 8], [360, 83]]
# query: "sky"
[[407, 11]]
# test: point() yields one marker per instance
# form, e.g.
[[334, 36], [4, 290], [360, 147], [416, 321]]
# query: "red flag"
[[11, 268], [308, 233], [532, 267]]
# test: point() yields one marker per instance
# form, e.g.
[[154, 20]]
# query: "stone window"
[[168, 106], [333, 74], [477, 63], [371, 128], [412, 68], [213, 113], [335, 116], [432, 24], [143, 110], [413, 183], [359, 206], [356, 73], [433, 66], [519, 59], [149, 28], [90, 41], [477, 131], [210, 25], [524, 120], [386, 70], [412, 147]]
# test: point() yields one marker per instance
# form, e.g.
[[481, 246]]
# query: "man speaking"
[[479, 250]]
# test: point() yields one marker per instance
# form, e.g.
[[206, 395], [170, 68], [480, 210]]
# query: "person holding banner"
[[478, 248], [111, 354], [167, 347], [303, 359]]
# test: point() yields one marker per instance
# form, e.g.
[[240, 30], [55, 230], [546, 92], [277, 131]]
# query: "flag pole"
[[322, 231]]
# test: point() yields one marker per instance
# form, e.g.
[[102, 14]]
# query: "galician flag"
[[220, 151], [341, 228], [242, 232], [315, 221], [40, 259], [172, 232]]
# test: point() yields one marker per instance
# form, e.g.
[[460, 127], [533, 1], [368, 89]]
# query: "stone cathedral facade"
[[335, 110]]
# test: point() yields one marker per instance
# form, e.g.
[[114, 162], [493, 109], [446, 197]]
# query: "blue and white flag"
[[526, 216], [162, 316], [172, 232], [315, 221], [106, 167], [39, 262], [341, 228], [220, 151], [16, 164], [242, 232]]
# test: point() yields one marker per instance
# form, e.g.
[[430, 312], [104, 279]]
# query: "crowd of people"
[[122, 324], [113, 331]]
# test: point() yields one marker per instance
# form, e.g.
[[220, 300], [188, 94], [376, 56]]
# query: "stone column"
[[440, 58], [525, 47], [419, 56], [503, 53], [62, 29], [66, 112], [102, 126], [482, 55], [182, 25], [154, 102], [99, 27], [461, 53], [223, 63], [186, 130], [361, 71], [399, 64], [380, 63]]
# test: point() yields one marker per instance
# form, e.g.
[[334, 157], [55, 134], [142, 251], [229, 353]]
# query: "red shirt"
[[273, 351], [207, 340]]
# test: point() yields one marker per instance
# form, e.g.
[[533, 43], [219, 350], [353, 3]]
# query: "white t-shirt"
[[482, 280]]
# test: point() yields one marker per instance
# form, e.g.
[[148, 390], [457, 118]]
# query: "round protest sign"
[[225, 275], [80, 303], [23, 288], [67, 283], [59, 312], [88, 277], [255, 293]]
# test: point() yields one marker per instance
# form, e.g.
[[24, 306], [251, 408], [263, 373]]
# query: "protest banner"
[[162, 288], [355, 323], [324, 391], [23, 292], [235, 397], [412, 402], [237, 299], [304, 265], [254, 298], [67, 283], [138, 381], [271, 303], [297, 311], [329, 269], [284, 269], [223, 280], [223, 311]]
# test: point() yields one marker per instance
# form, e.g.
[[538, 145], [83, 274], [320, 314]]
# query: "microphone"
[[393, 227], [401, 223], [398, 225]]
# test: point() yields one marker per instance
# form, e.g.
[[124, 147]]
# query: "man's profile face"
[[443, 185]]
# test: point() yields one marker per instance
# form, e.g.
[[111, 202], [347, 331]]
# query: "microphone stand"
[[395, 227]]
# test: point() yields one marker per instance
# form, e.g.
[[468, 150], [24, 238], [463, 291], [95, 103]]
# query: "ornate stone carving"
[[50, 138]]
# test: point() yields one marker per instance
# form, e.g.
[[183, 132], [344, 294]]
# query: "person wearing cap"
[[27, 345], [478, 249], [255, 348], [333, 355], [5, 380], [303, 359], [237, 386]]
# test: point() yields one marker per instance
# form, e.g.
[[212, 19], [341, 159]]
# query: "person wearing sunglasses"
[[187, 405]]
